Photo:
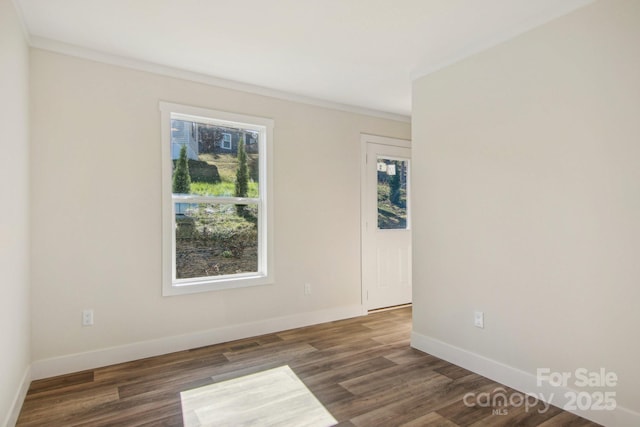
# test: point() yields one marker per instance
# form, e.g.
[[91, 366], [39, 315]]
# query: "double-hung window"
[[216, 202], [226, 141]]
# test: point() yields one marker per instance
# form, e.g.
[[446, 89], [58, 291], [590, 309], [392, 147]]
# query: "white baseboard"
[[108, 356], [517, 379], [16, 406]]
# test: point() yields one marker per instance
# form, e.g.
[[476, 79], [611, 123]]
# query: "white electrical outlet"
[[478, 319], [307, 288], [87, 317]]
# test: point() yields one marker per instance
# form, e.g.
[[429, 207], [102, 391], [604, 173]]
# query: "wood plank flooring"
[[362, 370]]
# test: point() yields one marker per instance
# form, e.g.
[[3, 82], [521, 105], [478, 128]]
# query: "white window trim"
[[266, 274], [224, 141]]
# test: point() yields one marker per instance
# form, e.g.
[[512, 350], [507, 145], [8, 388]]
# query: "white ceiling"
[[362, 53]]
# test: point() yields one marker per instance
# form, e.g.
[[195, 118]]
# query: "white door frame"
[[366, 139]]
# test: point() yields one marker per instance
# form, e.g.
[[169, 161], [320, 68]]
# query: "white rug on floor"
[[275, 397]]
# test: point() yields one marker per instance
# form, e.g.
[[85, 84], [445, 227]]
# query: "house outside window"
[[226, 141], [216, 206]]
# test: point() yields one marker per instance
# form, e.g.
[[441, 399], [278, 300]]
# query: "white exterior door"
[[386, 222]]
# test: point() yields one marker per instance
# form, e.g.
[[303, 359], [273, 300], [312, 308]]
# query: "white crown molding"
[[561, 9], [121, 61], [23, 22], [524, 382], [138, 350]]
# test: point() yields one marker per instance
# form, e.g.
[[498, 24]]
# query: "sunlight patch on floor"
[[275, 397]]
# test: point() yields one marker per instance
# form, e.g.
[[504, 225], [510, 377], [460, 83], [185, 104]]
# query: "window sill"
[[208, 284]]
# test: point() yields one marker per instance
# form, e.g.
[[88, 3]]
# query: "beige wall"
[[96, 207], [527, 198], [14, 214]]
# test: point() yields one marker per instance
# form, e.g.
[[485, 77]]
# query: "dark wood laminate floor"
[[362, 370]]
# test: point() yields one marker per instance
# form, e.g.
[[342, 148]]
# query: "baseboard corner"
[[518, 379], [21, 393]]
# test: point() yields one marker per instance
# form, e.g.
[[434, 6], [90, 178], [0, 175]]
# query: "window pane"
[[392, 193], [215, 239], [217, 158]]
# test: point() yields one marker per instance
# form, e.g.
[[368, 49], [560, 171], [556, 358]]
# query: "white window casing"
[[265, 274], [226, 141]]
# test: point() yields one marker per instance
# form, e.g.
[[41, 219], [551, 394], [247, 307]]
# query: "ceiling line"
[[499, 38], [167, 71], [23, 22]]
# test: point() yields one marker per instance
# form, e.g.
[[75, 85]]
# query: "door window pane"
[[392, 193]]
